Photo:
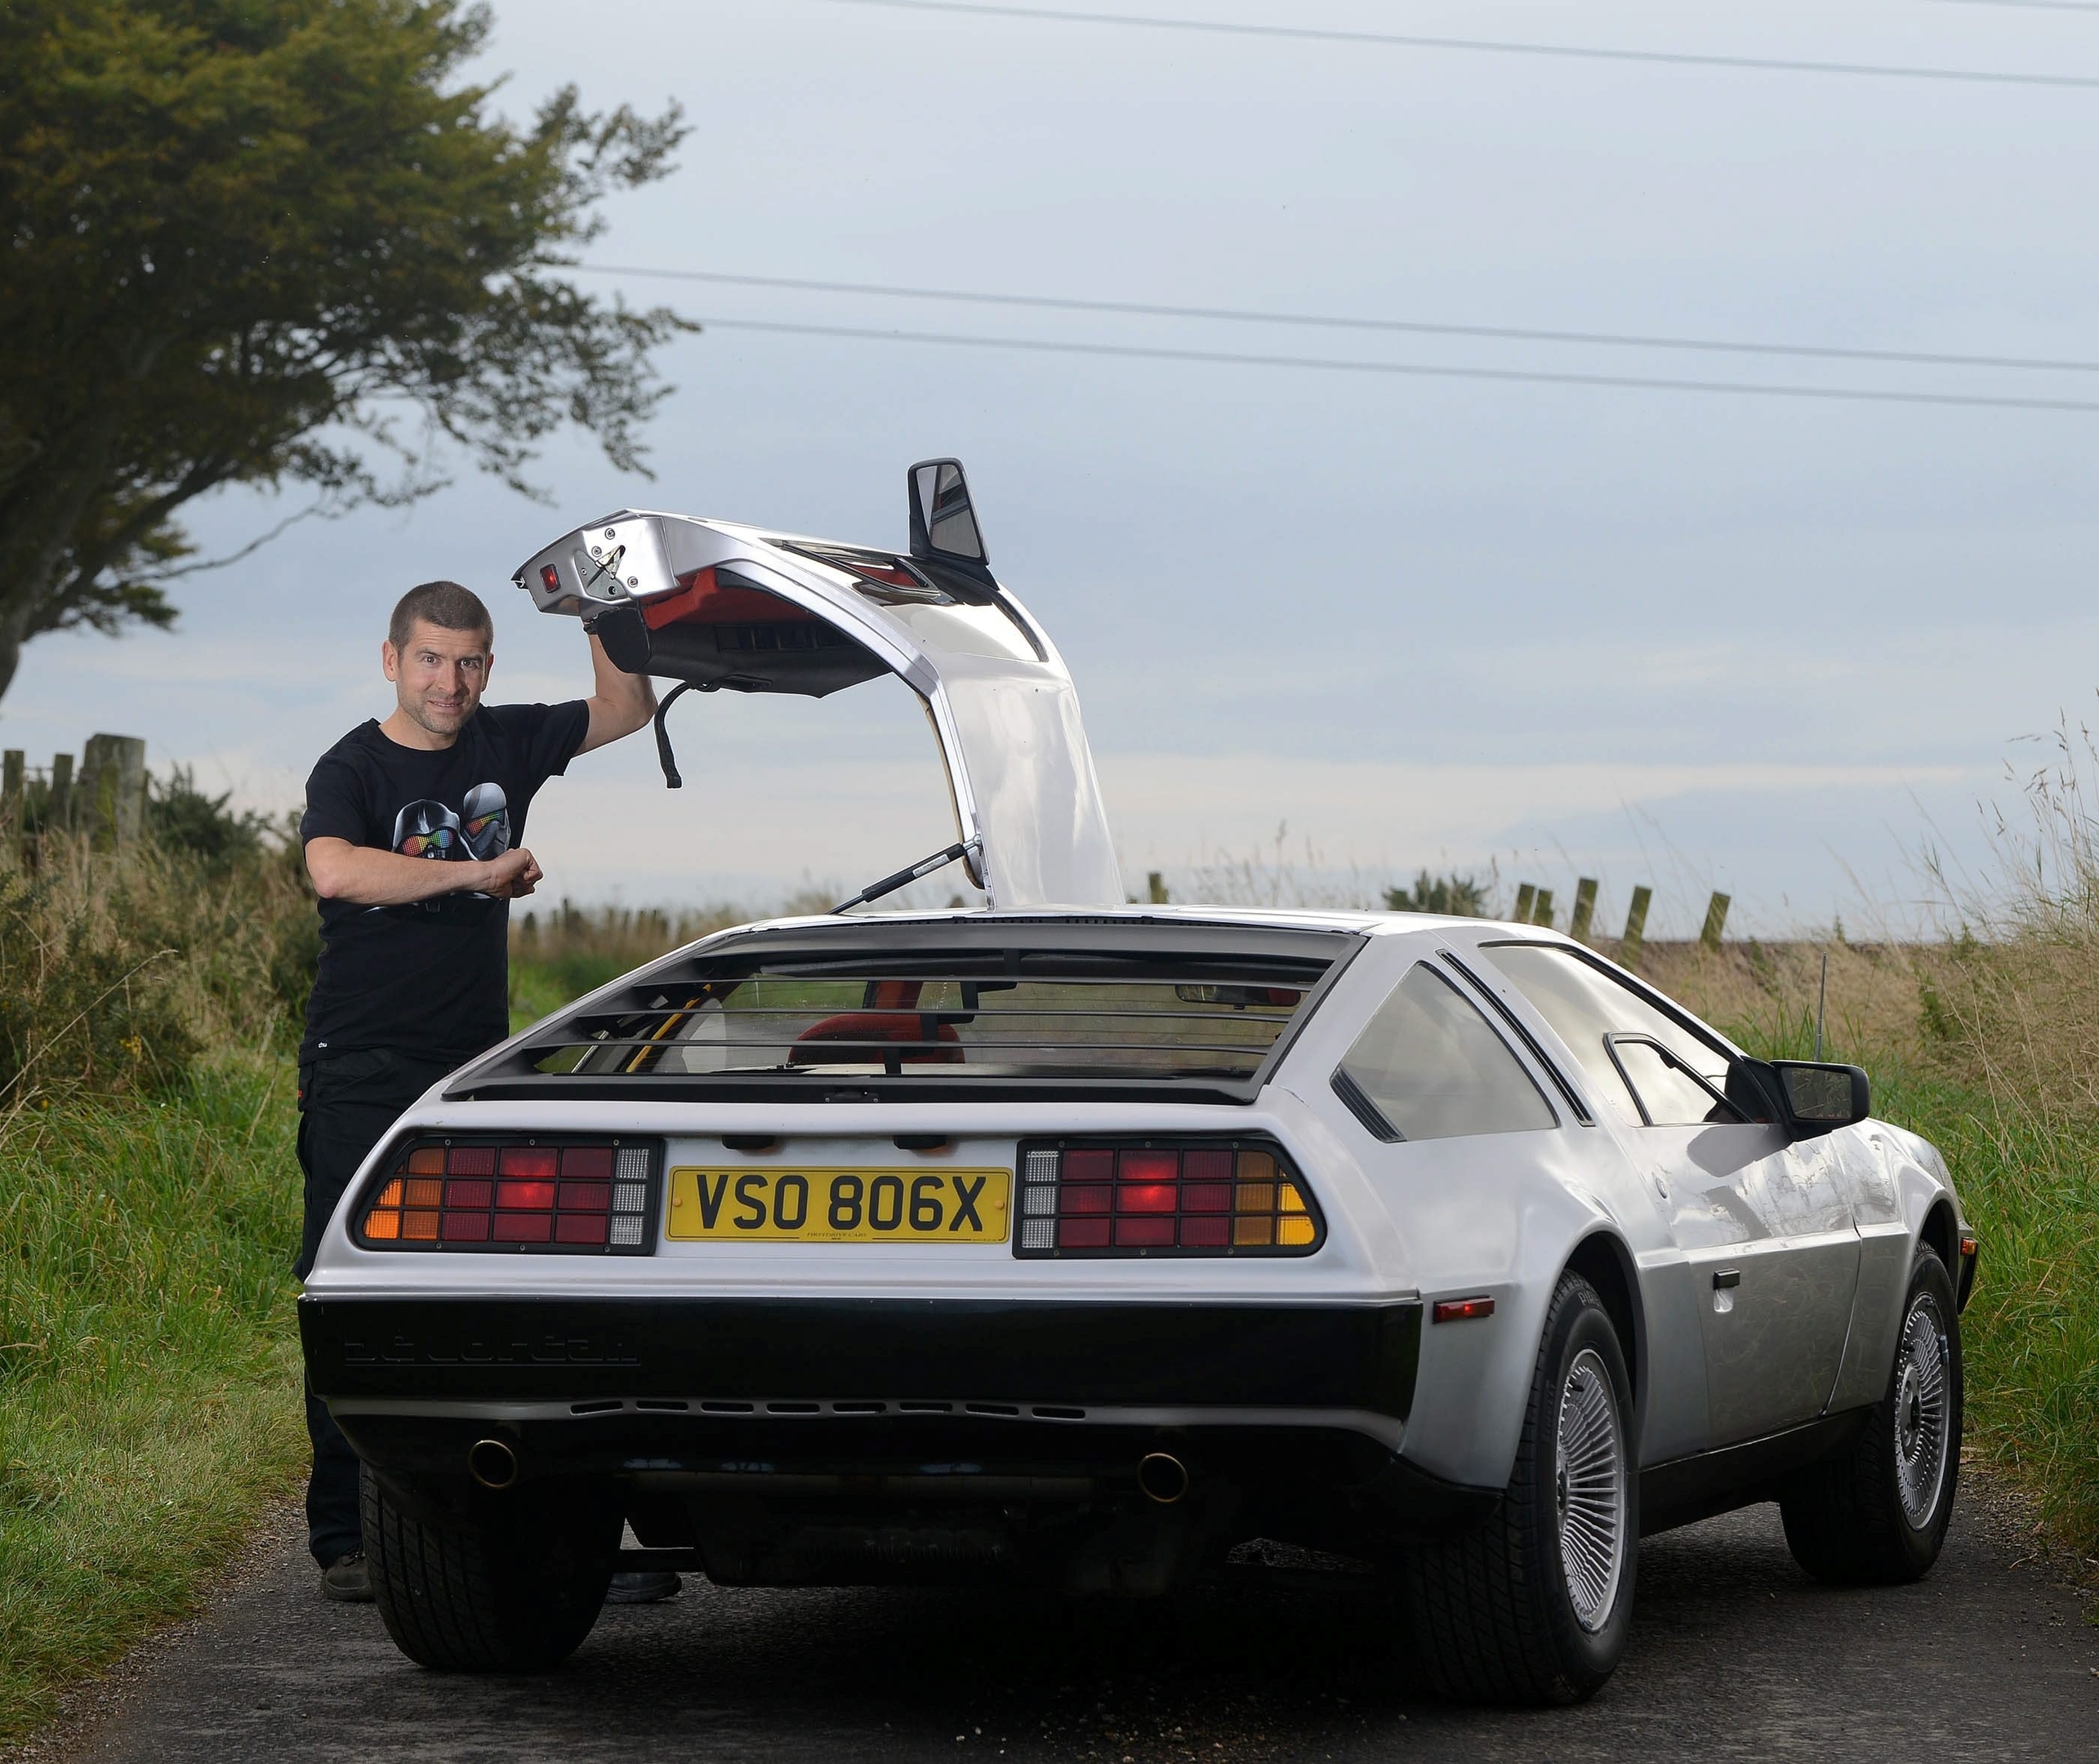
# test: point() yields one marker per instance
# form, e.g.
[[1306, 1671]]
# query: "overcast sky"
[[1691, 639]]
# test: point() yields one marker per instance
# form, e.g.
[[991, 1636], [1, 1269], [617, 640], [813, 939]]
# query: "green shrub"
[[179, 816], [1454, 896]]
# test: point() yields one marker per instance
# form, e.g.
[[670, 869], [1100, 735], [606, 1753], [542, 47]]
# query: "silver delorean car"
[[1075, 1243]]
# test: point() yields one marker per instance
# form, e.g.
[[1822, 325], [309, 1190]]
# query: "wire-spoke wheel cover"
[[1922, 1413], [1589, 1486]]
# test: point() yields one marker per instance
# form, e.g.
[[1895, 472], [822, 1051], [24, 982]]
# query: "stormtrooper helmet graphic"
[[425, 829], [487, 818]]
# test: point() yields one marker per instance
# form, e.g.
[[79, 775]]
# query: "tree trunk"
[[19, 604]]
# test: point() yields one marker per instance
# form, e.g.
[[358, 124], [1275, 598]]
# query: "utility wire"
[[2031, 6], [1477, 45], [1412, 327], [1421, 370]]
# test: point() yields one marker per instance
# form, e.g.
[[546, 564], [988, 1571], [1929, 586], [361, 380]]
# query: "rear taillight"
[[1159, 1197], [555, 1197]]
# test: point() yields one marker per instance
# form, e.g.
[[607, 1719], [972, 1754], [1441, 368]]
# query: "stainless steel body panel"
[[1001, 702], [1890, 1192], [1766, 1234], [1675, 1417]]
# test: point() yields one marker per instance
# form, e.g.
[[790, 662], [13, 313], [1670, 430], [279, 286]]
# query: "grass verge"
[[2031, 1331], [148, 1376]]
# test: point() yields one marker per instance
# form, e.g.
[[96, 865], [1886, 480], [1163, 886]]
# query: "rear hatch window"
[[968, 1008]]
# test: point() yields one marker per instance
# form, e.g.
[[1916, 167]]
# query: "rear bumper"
[[792, 1358], [752, 1430]]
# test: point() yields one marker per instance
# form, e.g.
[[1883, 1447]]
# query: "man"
[[414, 836]]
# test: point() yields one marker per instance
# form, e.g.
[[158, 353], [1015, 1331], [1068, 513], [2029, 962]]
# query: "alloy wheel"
[[1922, 1413], [1589, 1485]]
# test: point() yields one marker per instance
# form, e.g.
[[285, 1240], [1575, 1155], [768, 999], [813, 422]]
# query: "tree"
[[282, 244]]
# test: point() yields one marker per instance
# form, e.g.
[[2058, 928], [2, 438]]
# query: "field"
[[149, 1382]]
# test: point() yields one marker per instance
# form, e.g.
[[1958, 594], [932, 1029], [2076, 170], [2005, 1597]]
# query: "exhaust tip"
[[492, 1463], [1163, 1477]]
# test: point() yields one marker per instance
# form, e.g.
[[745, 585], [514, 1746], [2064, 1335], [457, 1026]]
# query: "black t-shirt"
[[432, 979]]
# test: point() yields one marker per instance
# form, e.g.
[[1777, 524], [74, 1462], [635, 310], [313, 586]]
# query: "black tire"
[[509, 1583], [1861, 1518], [1494, 1617]]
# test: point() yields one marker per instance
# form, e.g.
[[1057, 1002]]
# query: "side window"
[[1672, 1097], [1429, 1066], [1633, 1052]]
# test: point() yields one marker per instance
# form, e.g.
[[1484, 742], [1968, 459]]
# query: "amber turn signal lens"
[[503, 1196]]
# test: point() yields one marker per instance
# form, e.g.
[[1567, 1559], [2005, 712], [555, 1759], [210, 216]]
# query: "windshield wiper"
[[924, 867]]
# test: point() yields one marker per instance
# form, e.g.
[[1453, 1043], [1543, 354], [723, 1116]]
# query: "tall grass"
[[149, 1215], [118, 969]]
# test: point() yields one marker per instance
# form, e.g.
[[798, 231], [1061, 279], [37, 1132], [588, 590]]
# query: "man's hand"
[[513, 876], [366, 876], [620, 703]]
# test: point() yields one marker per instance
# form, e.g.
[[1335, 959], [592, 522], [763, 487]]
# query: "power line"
[[1477, 45], [1412, 326], [1421, 370], [2031, 6]]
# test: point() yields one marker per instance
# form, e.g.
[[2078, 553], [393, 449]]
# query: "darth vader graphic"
[[429, 830], [487, 815]]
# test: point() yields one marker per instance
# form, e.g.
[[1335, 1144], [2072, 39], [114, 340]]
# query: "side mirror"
[[1820, 1098], [945, 537]]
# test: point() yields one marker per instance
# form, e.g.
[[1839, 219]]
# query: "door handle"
[[1726, 1277]]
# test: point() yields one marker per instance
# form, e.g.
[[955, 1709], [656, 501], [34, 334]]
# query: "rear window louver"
[[1069, 1012]]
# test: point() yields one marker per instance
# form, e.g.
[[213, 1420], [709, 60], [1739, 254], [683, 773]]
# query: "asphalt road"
[[1735, 1654]]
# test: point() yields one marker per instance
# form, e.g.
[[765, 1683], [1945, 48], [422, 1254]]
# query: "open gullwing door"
[[719, 607]]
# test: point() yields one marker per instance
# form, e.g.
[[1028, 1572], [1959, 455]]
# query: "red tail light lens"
[[515, 1196], [1171, 1198]]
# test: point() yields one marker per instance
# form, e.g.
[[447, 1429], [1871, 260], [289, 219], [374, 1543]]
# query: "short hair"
[[445, 604]]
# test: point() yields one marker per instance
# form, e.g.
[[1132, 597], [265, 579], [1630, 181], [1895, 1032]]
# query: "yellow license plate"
[[920, 1206]]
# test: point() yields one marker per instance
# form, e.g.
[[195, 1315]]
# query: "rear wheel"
[[509, 1583], [1534, 1605], [1876, 1513]]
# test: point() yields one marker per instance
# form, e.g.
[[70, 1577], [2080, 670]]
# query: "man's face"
[[438, 675]]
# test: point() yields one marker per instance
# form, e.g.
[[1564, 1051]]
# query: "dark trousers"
[[346, 1106]]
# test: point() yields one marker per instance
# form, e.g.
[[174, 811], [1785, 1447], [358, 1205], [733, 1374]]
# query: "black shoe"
[[347, 1581], [649, 1588]]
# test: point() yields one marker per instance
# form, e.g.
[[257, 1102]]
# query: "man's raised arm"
[[620, 703], [366, 876]]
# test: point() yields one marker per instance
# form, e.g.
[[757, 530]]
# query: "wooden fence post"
[[1636, 927], [1541, 910], [1716, 917], [1525, 893], [1158, 888], [58, 806], [11, 805], [1584, 909], [113, 788], [88, 795]]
